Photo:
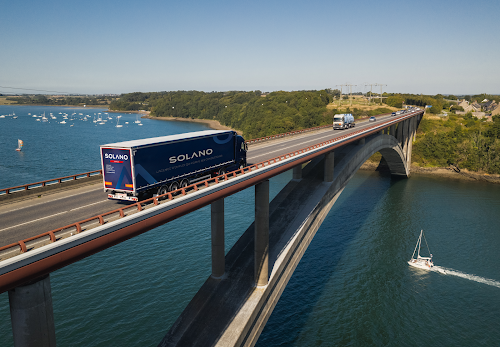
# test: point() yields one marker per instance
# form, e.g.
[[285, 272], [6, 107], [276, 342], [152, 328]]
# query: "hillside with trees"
[[61, 100], [461, 140], [253, 113]]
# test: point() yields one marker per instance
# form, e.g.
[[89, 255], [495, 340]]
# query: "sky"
[[114, 47]]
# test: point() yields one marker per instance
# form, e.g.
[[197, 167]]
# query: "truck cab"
[[343, 121]]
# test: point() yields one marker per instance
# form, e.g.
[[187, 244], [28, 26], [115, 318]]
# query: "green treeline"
[[463, 141], [251, 112], [255, 114], [61, 100]]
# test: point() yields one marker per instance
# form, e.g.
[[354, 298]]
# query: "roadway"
[[23, 219]]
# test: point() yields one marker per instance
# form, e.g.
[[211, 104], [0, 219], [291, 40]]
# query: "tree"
[[395, 101]]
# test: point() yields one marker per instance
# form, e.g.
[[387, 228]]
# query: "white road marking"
[[328, 135], [34, 220], [94, 203], [41, 203], [53, 215]]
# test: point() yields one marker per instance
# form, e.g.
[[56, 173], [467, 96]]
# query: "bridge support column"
[[297, 172], [412, 130], [218, 252], [402, 140], [399, 134], [261, 248], [329, 167], [31, 314], [392, 130]]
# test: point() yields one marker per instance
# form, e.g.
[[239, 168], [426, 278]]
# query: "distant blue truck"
[[137, 169]]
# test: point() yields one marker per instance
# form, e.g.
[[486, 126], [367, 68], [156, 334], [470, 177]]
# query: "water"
[[52, 149], [352, 287]]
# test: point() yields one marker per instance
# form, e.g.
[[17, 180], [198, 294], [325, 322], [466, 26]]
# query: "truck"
[[138, 169], [343, 121]]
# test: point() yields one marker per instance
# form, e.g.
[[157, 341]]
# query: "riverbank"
[[446, 172], [214, 124]]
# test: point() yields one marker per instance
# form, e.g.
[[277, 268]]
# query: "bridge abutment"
[[32, 316]]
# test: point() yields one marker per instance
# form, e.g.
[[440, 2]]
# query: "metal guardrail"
[[30, 186]]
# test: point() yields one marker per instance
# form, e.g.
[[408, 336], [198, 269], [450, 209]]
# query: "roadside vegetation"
[[462, 141]]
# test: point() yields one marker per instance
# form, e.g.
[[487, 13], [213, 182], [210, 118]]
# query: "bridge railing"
[[40, 240], [45, 183]]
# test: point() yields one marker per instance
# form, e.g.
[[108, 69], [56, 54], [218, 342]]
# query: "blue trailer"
[[140, 168]]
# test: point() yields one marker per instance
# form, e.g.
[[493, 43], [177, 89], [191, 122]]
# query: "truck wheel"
[[222, 171], [184, 183], [174, 186]]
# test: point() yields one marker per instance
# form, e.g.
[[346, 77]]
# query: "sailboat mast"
[[419, 243]]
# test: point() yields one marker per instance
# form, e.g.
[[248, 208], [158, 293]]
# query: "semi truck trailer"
[[137, 169]]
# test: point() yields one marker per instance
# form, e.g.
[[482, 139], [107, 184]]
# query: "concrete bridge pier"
[[261, 246], [399, 134], [218, 252], [297, 172], [329, 167], [31, 314]]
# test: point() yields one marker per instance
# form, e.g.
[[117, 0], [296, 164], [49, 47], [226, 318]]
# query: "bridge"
[[245, 284]]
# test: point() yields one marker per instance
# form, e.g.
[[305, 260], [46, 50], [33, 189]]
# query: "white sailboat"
[[420, 262], [117, 123]]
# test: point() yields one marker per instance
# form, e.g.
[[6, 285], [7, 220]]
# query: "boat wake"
[[446, 271]]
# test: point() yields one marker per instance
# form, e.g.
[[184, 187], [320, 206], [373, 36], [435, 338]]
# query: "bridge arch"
[[295, 215]]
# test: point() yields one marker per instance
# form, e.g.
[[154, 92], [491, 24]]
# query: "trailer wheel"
[[184, 183], [174, 186], [162, 190], [222, 171]]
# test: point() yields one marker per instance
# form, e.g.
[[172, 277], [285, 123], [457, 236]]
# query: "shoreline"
[[443, 172], [213, 124]]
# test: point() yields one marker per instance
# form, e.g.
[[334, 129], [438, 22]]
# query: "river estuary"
[[353, 286]]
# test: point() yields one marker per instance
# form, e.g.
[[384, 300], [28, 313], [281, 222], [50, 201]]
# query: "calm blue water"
[[54, 150], [353, 286]]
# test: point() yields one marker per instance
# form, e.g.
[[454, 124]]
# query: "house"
[[476, 107], [465, 105], [489, 106], [495, 111]]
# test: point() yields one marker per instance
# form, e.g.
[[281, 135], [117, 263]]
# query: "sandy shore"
[[211, 123], [444, 172]]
